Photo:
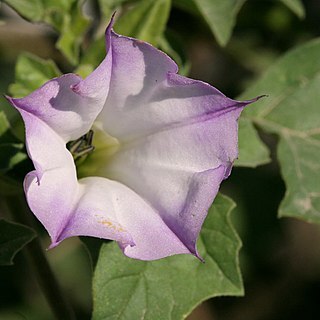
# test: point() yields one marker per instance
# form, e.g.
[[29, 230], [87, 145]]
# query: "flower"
[[164, 143]]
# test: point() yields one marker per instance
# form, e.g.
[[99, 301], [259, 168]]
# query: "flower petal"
[[146, 94], [68, 104], [93, 207], [108, 209], [178, 136], [51, 189], [179, 168], [54, 195], [94, 213]]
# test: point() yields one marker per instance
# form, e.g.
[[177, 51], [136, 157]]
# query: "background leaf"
[[64, 15], [11, 150], [13, 237], [296, 6], [292, 112], [252, 151], [30, 9], [170, 288], [220, 16], [145, 20], [12, 153], [172, 45], [107, 8], [31, 72]]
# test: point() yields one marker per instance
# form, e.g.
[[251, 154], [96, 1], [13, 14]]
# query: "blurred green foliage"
[[13, 237], [64, 15], [31, 73]]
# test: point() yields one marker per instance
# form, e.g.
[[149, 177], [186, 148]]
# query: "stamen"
[[74, 145], [82, 146], [83, 152]]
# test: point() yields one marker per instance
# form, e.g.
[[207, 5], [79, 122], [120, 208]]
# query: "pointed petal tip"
[[246, 102], [110, 25], [53, 245], [261, 96], [199, 257], [194, 251], [112, 19], [11, 100]]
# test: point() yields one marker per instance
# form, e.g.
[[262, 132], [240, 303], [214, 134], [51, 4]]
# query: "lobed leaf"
[[170, 288], [291, 111], [252, 151]]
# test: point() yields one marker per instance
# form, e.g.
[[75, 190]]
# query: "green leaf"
[[173, 46], [9, 186], [72, 30], [95, 53], [29, 9], [11, 154], [145, 20], [252, 151], [292, 112], [220, 16], [4, 127], [170, 288], [32, 72], [296, 6], [300, 159], [64, 15], [187, 5], [107, 8], [93, 246], [13, 237]]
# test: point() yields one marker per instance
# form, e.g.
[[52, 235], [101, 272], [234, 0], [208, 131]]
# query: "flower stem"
[[39, 264]]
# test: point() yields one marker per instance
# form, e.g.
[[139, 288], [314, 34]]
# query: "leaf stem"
[[39, 264]]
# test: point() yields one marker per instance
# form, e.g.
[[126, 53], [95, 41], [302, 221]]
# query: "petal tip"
[[196, 254], [111, 22], [53, 245], [261, 96], [199, 258], [11, 100]]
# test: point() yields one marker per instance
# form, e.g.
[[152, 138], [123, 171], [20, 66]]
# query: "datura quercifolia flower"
[[163, 144]]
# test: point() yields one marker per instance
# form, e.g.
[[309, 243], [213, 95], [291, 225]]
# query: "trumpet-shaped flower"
[[163, 144]]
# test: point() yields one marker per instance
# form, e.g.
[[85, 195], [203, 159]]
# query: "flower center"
[[92, 151], [81, 147]]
